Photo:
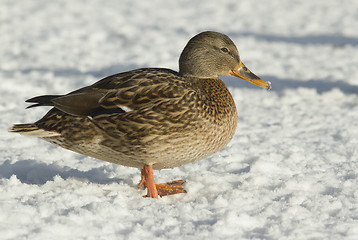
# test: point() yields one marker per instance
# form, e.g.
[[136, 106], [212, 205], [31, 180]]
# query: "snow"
[[289, 173]]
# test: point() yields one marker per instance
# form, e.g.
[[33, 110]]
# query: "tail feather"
[[44, 100], [30, 129]]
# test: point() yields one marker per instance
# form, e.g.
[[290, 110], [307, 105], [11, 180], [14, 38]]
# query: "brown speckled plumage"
[[151, 116]]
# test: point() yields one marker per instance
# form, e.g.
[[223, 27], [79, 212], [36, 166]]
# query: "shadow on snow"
[[323, 39], [33, 172], [279, 84]]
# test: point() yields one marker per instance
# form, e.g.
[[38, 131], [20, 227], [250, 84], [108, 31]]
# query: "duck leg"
[[164, 189], [148, 180]]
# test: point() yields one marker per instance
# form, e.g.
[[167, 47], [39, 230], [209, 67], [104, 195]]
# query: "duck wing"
[[133, 90]]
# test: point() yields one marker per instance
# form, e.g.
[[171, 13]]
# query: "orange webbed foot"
[[163, 189], [170, 188]]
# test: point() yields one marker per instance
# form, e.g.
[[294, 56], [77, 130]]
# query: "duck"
[[151, 118]]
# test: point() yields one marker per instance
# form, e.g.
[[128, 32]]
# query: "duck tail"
[[30, 129], [44, 100]]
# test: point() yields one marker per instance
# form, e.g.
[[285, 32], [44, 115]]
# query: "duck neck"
[[216, 98]]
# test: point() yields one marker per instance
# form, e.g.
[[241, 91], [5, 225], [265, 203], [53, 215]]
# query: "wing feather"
[[133, 90]]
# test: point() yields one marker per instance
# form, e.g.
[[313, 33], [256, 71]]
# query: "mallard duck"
[[151, 118]]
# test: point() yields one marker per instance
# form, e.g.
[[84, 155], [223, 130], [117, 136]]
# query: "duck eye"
[[224, 49]]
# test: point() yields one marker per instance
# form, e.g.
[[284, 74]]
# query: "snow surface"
[[289, 173]]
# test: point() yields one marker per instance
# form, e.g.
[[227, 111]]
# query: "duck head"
[[212, 54]]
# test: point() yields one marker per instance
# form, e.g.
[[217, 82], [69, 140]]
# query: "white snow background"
[[290, 171]]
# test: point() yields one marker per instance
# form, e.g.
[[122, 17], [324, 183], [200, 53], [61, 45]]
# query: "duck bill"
[[244, 73]]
